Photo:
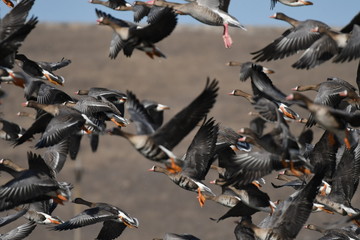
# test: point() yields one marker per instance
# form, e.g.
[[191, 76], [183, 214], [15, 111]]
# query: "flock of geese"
[[324, 175]]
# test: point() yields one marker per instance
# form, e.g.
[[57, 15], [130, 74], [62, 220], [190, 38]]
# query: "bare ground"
[[116, 173]]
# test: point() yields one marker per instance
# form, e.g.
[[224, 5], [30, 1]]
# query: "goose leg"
[[119, 124], [48, 77], [201, 198], [227, 39], [326, 210], [347, 140]]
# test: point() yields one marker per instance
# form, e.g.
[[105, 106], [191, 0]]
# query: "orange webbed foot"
[[201, 198]]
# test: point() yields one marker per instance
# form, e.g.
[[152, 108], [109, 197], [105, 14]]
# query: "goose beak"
[[161, 107], [268, 71], [290, 97], [54, 221], [233, 63], [306, 2], [273, 16]]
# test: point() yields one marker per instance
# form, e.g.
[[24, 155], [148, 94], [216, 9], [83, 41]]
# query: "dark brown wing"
[[10, 44], [291, 41], [201, 151], [55, 156], [160, 27], [352, 49], [15, 18], [349, 27], [296, 209], [170, 134], [88, 217], [139, 115], [111, 229], [20, 232], [38, 126], [248, 167], [319, 52], [59, 128]]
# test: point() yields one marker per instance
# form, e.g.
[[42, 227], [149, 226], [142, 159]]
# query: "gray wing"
[[116, 45], [319, 52], [20, 232], [170, 134], [352, 49], [111, 229], [291, 41], [55, 156], [201, 150], [15, 18], [10, 218], [209, 3], [139, 115], [88, 217]]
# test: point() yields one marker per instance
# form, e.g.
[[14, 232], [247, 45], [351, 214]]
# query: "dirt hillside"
[[116, 173]]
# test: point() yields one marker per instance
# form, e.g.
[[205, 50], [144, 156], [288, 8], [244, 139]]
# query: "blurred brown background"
[[116, 173]]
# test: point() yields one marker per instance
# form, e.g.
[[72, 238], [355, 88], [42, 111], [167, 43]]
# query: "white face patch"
[[100, 20]]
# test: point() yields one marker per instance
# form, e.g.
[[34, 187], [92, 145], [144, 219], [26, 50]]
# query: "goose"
[[140, 11], [333, 233], [172, 132], [331, 119], [197, 161], [291, 3], [210, 12], [114, 219], [345, 46], [291, 214], [113, 4], [299, 37], [128, 36], [10, 131], [147, 116], [330, 93], [40, 212], [61, 122], [28, 185], [42, 69]]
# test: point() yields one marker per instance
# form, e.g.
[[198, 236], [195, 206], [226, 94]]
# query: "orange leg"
[[357, 222], [286, 113], [51, 80], [325, 210], [346, 140], [117, 123], [150, 54], [86, 130], [294, 171], [201, 198], [257, 184], [332, 140], [126, 223], [323, 191]]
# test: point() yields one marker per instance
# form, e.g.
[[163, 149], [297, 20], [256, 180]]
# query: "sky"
[[335, 13]]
